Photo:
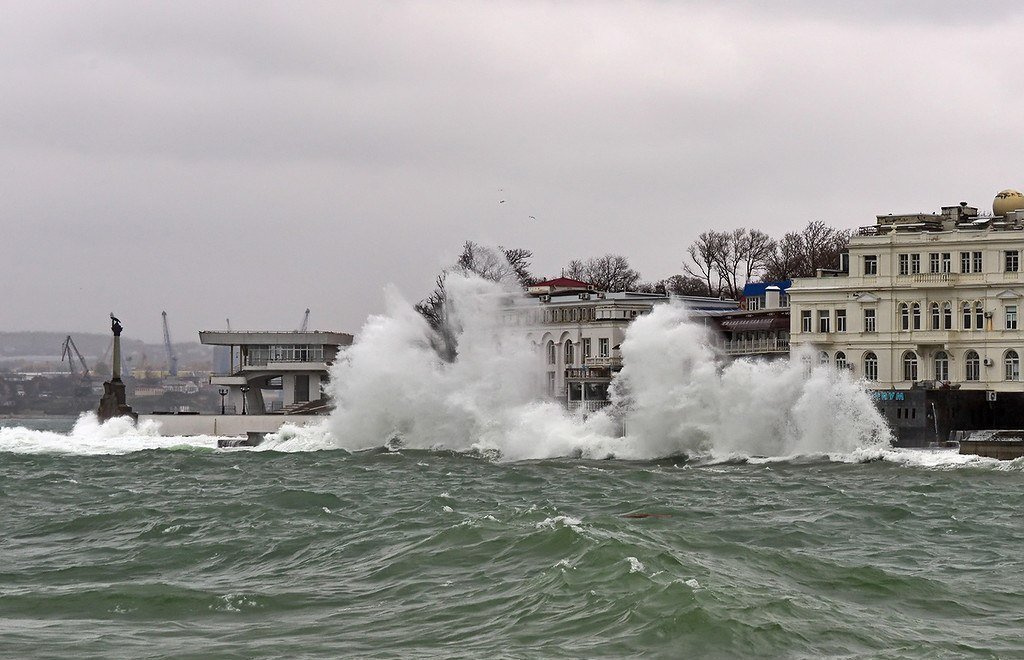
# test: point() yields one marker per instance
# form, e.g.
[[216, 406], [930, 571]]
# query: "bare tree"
[[686, 285], [611, 272], [575, 269], [503, 265], [802, 254], [705, 256]]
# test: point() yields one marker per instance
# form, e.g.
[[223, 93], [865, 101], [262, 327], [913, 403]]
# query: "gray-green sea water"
[[184, 550]]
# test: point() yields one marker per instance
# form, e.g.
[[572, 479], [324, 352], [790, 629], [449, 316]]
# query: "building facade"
[[922, 302], [578, 332], [294, 363]]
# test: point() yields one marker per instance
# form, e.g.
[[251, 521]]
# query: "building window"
[[869, 320], [871, 264], [904, 316], [753, 304], [979, 317], [840, 320], [933, 262], [972, 366], [823, 321], [569, 353], [823, 358], [805, 321], [840, 360], [1011, 317], [602, 347], [552, 356], [904, 264], [965, 262], [947, 316], [551, 383], [910, 366], [976, 262], [870, 366], [586, 347], [947, 262], [916, 313], [941, 366], [915, 264], [936, 320], [1012, 261], [1012, 363], [967, 316]]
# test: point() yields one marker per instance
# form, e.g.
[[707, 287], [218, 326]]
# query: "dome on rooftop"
[[1006, 201]]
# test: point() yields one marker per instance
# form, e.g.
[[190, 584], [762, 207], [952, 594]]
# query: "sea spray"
[[674, 393], [681, 398]]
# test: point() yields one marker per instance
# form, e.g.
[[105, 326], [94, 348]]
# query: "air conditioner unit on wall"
[[988, 362]]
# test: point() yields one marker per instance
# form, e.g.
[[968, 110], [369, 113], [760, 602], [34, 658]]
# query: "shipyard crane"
[[172, 359], [70, 351], [305, 321]]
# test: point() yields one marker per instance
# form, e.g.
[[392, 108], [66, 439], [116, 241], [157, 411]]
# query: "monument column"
[[113, 403]]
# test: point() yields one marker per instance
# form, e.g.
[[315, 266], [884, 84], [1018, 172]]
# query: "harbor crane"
[[172, 359], [70, 351], [305, 321]]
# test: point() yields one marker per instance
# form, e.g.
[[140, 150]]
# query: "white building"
[[578, 331], [294, 362], [923, 297]]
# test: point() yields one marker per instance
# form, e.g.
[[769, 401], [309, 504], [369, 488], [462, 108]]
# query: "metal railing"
[[755, 346], [587, 406], [606, 361]]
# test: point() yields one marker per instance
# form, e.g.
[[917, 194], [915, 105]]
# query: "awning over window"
[[755, 324]]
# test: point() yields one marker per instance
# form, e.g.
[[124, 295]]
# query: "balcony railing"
[[257, 361], [587, 406], [606, 361], [755, 346], [934, 278]]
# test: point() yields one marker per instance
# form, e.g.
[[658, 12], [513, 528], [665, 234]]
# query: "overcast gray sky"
[[251, 159]]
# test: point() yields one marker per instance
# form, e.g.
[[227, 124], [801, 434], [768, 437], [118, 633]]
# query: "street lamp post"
[[245, 390], [223, 393]]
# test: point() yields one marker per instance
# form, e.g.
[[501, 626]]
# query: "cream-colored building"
[[923, 299]]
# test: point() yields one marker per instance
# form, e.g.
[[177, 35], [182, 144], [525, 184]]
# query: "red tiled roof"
[[564, 282]]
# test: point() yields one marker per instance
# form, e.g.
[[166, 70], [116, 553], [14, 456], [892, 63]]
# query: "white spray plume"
[[677, 396]]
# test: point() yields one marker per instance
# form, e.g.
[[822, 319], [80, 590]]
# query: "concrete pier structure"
[[294, 362]]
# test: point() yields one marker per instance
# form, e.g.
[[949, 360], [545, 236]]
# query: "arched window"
[[904, 316], [840, 360], [936, 320], [947, 316], [941, 366], [972, 366], [823, 358], [979, 317], [916, 313], [551, 353], [870, 366], [967, 316], [1011, 361], [568, 353], [910, 366]]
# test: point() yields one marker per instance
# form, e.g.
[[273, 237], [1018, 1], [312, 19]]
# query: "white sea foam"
[[89, 436], [559, 521], [635, 565], [675, 396]]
